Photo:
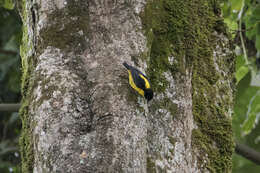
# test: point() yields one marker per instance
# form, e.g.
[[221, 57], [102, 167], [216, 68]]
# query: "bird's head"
[[148, 94]]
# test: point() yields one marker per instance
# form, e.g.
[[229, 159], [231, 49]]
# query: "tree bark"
[[79, 113]]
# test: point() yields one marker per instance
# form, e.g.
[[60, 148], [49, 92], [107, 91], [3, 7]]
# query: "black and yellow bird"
[[139, 82]]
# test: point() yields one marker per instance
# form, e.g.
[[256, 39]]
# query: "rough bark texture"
[[79, 113]]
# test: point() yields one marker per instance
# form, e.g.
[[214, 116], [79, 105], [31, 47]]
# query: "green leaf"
[[240, 61], [257, 42], [251, 20], [258, 28], [248, 2], [232, 24], [253, 114], [246, 107], [241, 72], [236, 4], [241, 68], [8, 4], [226, 9], [244, 91], [256, 12], [251, 28]]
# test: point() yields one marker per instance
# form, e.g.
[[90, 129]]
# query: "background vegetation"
[[243, 20], [10, 74]]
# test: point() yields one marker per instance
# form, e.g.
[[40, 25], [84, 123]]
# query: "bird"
[[139, 82]]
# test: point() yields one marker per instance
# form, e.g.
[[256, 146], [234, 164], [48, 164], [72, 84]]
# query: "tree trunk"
[[80, 114]]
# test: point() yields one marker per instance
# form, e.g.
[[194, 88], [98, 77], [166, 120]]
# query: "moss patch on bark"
[[184, 31]]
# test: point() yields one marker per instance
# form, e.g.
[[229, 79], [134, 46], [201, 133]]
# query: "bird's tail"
[[126, 65]]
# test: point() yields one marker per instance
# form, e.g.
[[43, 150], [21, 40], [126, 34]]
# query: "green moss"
[[159, 45], [185, 31], [218, 153], [172, 141], [26, 144], [150, 166], [172, 107], [214, 134], [167, 104]]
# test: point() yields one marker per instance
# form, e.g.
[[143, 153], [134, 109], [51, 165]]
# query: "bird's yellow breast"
[[131, 82]]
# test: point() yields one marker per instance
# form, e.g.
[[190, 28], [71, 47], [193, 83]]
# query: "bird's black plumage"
[[141, 83]]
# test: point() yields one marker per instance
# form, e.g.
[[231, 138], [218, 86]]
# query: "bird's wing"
[[139, 82], [146, 81]]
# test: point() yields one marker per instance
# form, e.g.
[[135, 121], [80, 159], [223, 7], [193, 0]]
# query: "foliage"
[[10, 74], [243, 19], [7, 4]]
